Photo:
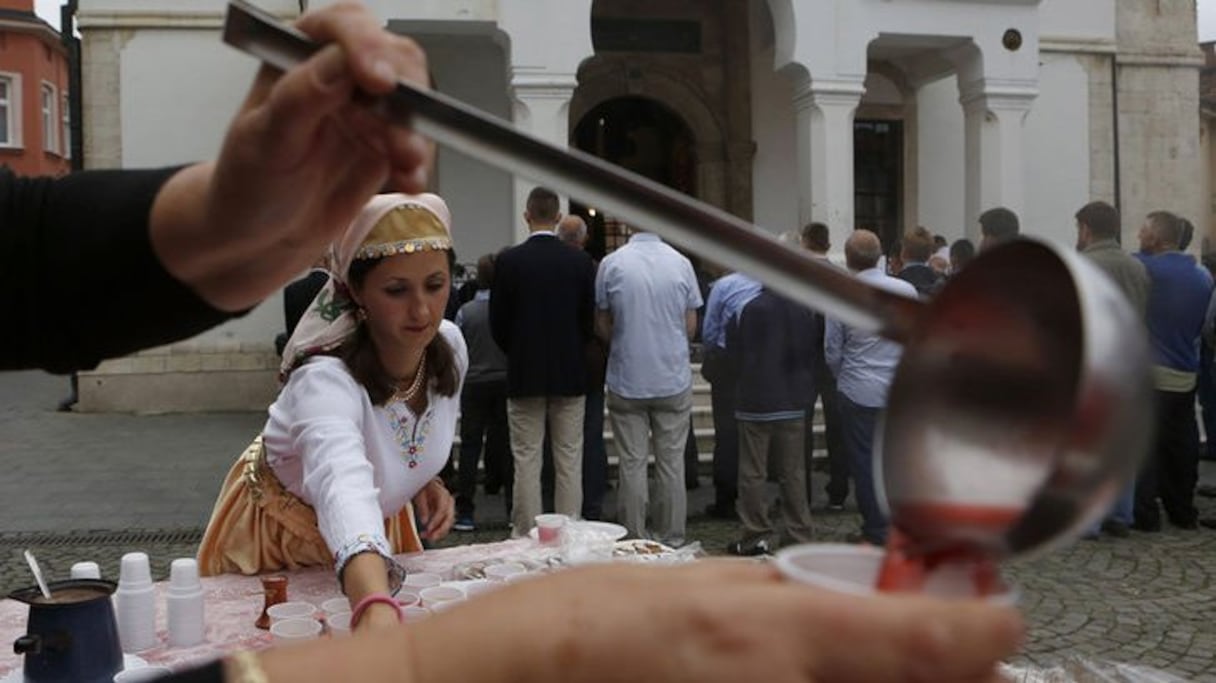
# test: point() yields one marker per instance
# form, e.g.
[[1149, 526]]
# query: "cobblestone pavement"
[[79, 487]]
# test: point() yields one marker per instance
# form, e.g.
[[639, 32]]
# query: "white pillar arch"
[[542, 108], [824, 112], [995, 172]]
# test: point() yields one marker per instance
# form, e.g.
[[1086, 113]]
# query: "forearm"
[[603, 325], [232, 267], [363, 575], [690, 323]]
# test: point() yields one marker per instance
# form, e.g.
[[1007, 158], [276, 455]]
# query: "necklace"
[[411, 392]]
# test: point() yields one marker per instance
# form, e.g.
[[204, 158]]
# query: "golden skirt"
[[259, 526]]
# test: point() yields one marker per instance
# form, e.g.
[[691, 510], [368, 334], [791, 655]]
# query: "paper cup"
[[295, 630], [143, 673], [86, 570], [292, 610], [408, 599], [853, 570]]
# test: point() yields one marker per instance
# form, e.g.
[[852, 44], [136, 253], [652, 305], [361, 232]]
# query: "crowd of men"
[[555, 337]]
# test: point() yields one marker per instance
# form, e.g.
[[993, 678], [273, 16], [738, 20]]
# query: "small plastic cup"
[[422, 580], [416, 613], [142, 673], [549, 528], [335, 606], [292, 610], [338, 623], [854, 569], [408, 599], [295, 630], [436, 595], [504, 571], [479, 587]]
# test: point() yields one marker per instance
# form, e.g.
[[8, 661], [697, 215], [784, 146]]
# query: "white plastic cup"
[[86, 570], [292, 610], [415, 613], [422, 580], [338, 623], [478, 587], [854, 569], [295, 630], [437, 595], [335, 606], [503, 572], [549, 528], [142, 673], [408, 599]]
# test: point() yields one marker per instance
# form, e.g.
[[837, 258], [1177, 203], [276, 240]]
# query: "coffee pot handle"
[[27, 645]]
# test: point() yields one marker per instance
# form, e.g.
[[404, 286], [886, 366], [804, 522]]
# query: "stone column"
[[824, 113], [541, 104], [995, 174]]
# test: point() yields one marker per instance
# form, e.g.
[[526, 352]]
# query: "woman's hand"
[[298, 162], [712, 621], [435, 509]]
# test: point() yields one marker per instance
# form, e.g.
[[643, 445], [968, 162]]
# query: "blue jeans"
[[857, 425]]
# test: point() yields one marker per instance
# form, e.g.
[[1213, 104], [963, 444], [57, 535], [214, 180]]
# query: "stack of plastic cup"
[[184, 604], [136, 609]]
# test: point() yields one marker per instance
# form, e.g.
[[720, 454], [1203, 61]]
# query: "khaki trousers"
[[641, 426], [785, 440], [527, 418]]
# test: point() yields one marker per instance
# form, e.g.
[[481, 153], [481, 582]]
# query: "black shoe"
[[835, 506], [1207, 491], [1116, 529], [1208, 523], [718, 511], [1186, 524], [1147, 527], [749, 548]]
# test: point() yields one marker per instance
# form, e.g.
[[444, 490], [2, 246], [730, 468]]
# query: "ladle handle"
[[707, 231]]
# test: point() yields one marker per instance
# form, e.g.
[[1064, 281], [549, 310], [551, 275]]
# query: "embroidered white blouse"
[[356, 463]]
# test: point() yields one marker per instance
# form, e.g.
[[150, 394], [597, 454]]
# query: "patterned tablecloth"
[[234, 602]]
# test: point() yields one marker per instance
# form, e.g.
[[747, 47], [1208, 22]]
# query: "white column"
[[824, 113], [541, 105], [995, 172]]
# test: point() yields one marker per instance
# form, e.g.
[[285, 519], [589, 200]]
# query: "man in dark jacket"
[[767, 346], [541, 316]]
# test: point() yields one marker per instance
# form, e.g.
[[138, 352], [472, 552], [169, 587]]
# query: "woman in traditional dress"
[[365, 419]]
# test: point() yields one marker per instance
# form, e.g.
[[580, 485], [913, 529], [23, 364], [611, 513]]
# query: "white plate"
[[614, 531], [128, 662]]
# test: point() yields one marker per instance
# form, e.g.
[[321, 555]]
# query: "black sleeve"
[[83, 282]]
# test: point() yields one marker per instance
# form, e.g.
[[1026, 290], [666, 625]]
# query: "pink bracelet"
[[371, 599]]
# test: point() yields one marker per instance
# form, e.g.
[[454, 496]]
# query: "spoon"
[[37, 571], [1020, 402]]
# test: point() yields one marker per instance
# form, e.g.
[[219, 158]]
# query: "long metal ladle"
[[1022, 404]]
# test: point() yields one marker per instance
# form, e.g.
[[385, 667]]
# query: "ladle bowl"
[[1021, 408]]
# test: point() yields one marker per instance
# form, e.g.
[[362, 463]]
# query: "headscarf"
[[389, 224]]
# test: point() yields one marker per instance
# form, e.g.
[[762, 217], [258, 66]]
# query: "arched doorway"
[[643, 136]]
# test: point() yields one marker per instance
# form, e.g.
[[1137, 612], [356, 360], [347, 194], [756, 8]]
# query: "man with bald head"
[[864, 365], [572, 231]]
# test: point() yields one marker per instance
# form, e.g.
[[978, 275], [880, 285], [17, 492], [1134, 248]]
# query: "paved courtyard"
[[78, 487]]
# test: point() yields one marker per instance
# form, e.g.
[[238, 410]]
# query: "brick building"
[[35, 136]]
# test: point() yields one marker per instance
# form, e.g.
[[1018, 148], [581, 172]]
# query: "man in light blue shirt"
[[646, 298], [727, 297], [864, 365]]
